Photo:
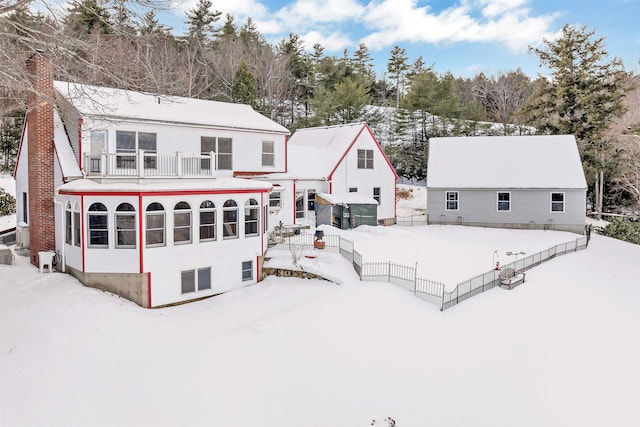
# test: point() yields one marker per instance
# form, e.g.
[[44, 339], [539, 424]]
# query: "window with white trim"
[[155, 217], [275, 199], [557, 202], [199, 279], [247, 270], [182, 223], [129, 142], [76, 225], [125, 226], [230, 220], [251, 218], [504, 201], [207, 221], [377, 195], [68, 226], [266, 219], [451, 201], [365, 159], [98, 226], [97, 144], [222, 149], [268, 153]]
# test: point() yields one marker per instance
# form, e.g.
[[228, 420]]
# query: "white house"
[[333, 160], [136, 192], [507, 181]]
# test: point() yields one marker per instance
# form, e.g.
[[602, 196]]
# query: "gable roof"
[[536, 161], [110, 103], [317, 152]]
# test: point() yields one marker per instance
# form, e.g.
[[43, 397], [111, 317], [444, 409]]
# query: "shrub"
[[622, 230], [404, 193], [7, 203]]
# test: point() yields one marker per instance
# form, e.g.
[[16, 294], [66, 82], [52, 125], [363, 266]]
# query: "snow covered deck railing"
[[142, 164]]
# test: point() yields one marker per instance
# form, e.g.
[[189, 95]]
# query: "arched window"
[[68, 226], [207, 221], [251, 217], [125, 226], [155, 225], [98, 226], [230, 220], [76, 225], [182, 223]]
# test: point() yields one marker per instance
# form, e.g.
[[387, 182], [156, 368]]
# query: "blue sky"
[[461, 36]]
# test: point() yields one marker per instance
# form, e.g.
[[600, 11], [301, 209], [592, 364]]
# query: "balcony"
[[150, 165]]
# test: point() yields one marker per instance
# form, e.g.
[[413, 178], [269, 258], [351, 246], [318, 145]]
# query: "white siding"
[[246, 145], [347, 175]]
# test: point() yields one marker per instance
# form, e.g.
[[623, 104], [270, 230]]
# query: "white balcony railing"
[[145, 165]]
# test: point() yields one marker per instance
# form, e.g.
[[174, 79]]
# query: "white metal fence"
[[432, 291], [412, 220], [478, 284]]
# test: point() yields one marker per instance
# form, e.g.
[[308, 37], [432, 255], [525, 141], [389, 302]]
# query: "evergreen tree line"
[[121, 44]]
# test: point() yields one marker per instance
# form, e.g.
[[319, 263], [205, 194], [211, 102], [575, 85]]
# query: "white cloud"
[[389, 22], [253, 8], [333, 42], [504, 21], [491, 8], [307, 13]]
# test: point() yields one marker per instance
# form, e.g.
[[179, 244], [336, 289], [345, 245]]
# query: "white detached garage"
[[507, 181]]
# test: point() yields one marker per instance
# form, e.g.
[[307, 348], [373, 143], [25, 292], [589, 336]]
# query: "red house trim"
[[160, 193], [140, 234], [345, 153], [83, 227]]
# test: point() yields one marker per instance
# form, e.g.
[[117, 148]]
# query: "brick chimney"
[[40, 156]]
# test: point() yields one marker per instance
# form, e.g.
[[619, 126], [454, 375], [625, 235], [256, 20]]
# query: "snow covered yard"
[[447, 253], [559, 350]]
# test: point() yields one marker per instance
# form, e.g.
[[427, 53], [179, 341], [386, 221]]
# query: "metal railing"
[[432, 291], [483, 282], [412, 220], [146, 164]]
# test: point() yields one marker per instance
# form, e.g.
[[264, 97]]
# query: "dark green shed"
[[346, 211]]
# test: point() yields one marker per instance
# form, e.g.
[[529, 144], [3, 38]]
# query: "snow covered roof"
[[348, 199], [218, 184], [536, 161], [64, 153], [315, 152], [102, 102]]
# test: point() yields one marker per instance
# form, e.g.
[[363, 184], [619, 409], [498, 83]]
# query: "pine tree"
[[201, 20], [244, 86], [397, 67], [583, 95], [89, 17], [229, 29]]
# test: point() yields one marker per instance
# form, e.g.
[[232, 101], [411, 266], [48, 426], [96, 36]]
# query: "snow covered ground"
[[560, 350]]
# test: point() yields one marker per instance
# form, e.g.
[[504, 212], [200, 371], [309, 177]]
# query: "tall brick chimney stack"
[[40, 156]]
